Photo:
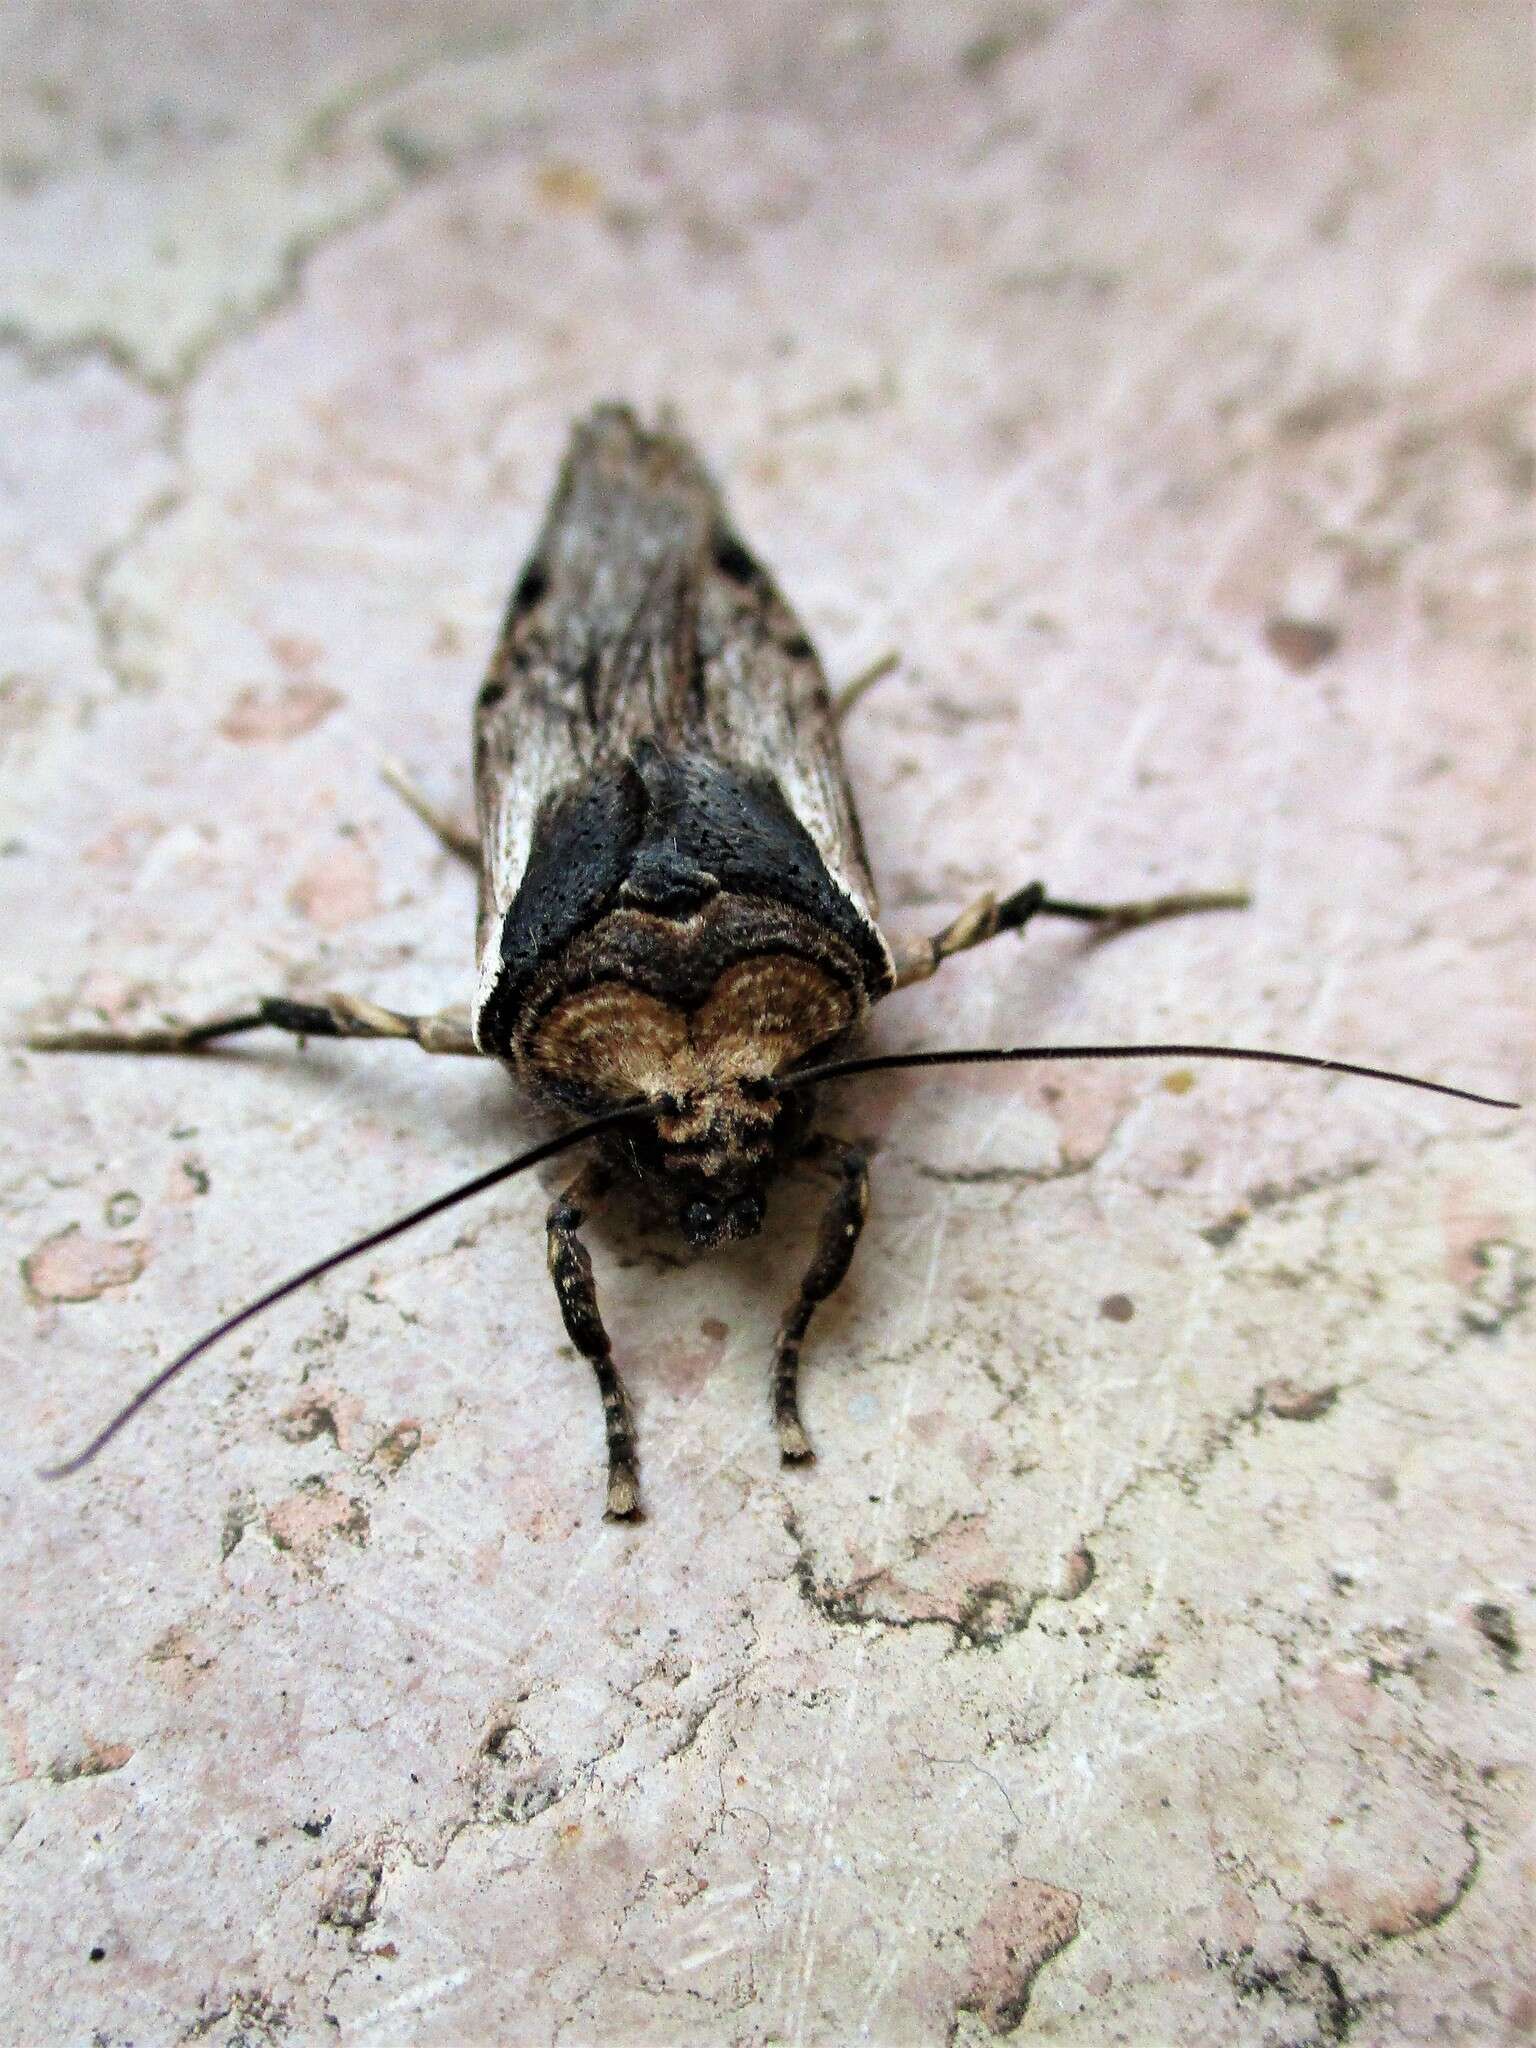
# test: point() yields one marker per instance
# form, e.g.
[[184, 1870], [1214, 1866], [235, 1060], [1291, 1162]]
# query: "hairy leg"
[[858, 686], [987, 917], [331, 1016], [837, 1239], [457, 838], [571, 1270]]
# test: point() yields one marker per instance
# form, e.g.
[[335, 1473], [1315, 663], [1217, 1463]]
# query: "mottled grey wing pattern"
[[640, 616]]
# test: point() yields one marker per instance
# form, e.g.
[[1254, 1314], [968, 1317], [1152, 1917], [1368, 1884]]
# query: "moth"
[[678, 937]]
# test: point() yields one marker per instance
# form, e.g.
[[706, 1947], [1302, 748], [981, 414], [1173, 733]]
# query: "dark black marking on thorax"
[[664, 831]]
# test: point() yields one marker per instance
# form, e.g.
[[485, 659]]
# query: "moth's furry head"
[[707, 1061], [709, 1155]]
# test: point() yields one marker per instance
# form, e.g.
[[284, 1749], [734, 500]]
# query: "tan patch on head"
[[761, 1015]]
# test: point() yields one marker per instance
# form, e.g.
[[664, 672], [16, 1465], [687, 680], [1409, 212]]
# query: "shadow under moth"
[[677, 934]]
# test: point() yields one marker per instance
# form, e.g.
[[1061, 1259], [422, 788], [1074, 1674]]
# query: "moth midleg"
[[457, 838], [329, 1016], [836, 1242], [987, 917], [571, 1270]]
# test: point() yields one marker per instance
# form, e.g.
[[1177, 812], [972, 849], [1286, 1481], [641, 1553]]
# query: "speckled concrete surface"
[[1146, 1657]]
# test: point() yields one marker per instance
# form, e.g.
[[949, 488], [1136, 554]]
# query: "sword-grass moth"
[[678, 937]]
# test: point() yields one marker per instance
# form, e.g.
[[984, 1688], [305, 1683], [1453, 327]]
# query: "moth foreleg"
[[837, 1239], [330, 1016], [571, 1270], [987, 917], [457, 838]]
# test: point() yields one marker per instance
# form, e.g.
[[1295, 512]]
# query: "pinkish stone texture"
[[1147, 1657]]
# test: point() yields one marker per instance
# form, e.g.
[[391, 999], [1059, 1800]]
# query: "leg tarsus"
[[1111, 918], [987, 917], [331, 1016], [837, 1240], [457, 838], [150, 1038], [571, 1270], [860, 685]]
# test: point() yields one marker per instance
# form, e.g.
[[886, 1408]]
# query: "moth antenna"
[[535, 1156], [889, 1062]]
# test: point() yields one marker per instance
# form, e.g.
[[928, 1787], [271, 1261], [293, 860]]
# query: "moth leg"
[[571, 1270], [457, 838], [836, 1242], [919, 959], [332, 1016], [858, 686]]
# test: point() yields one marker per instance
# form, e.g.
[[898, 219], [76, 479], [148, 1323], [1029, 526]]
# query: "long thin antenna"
[[889, 1062], [162, 1379]]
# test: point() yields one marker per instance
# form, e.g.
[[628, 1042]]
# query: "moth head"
[[714, 1216], [716, 1145]]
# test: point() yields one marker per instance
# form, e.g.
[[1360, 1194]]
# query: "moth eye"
[[669, 1105], [758, 1088], [531, 586]]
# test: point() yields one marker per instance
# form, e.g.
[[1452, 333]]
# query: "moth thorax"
[[718, 1126]]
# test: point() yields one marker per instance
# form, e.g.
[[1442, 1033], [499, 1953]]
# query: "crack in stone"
[[52, 356], [1004, 1176], [1313, 1983], [405, 165], [1274, 1195], [989, 1613], [106, 617]]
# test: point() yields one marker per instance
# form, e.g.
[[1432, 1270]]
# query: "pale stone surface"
[[1146, 1658]]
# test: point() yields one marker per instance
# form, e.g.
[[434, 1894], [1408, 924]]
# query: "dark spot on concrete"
[[238, 1517], [1496, 1625], [350, 1902], [306, 1420], [399, 1446], [1018, 29], [1309, 1985], [1079, 1569], [530, 1794], [1301, 643], [314, 1828], [122, 1209], [411, 156], [1117, 1308], [1220, 1235], [91, 1760], [1339, 406], [98, 1955], [1293, 1403]]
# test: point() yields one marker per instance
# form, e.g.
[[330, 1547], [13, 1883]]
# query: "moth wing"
[[640, 616], [766, 706]]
